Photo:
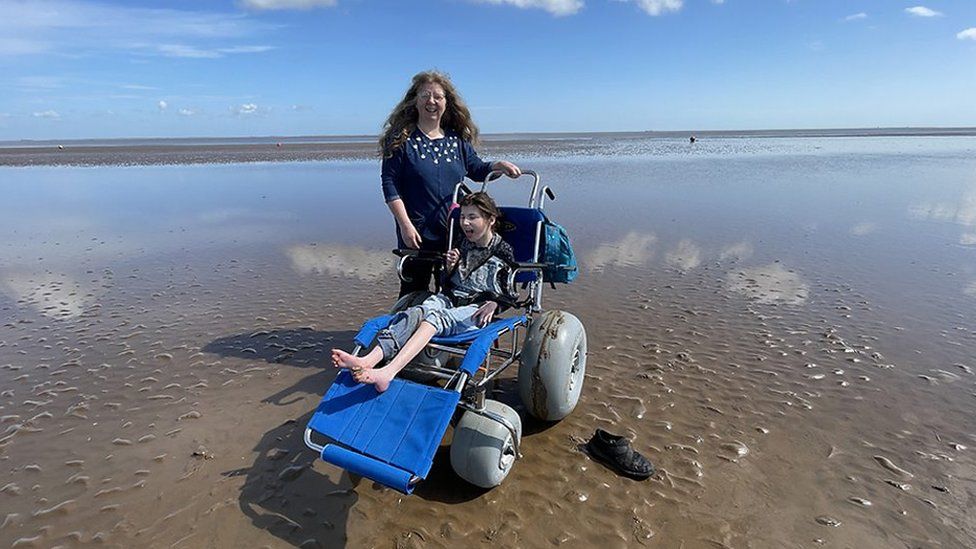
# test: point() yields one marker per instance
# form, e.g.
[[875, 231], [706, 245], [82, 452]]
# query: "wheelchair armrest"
[[529, 266], [524, 267], [423, 255], [370, 328], [409, 254]]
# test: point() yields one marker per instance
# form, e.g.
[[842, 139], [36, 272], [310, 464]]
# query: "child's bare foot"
[[342, 359], [378, 377]]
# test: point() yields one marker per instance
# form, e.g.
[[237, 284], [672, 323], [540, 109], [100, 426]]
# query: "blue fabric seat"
[[388, 437]]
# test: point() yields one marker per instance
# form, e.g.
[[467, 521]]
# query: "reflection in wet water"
[[633, 250], [970, 290], [336, 259], [739, 250], [864, 228], [962, 211], [54, 296], [772, 283], [685, 256]]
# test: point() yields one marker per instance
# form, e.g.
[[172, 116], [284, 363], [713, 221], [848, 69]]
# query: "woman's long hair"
[[403, 119]]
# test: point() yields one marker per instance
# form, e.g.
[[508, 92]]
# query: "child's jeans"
[[437, 310]]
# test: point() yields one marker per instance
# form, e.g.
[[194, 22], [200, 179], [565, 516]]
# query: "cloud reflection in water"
[[739, 250], [632, 250], [970, 290], [770, 284], [685, 256], [963, 212], [864, 228], [342, 260], [51, 295]]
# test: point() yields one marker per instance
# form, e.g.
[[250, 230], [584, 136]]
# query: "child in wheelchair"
[[474, 290]]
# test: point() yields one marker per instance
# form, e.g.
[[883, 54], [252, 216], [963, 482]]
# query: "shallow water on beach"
[[784, 327]]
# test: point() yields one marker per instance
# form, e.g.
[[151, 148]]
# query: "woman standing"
[[427, 144]]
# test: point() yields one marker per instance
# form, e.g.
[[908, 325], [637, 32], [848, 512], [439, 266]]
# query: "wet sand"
[[150, 152], [787, 334]]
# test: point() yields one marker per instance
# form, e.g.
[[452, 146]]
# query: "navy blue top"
[[423, 172]]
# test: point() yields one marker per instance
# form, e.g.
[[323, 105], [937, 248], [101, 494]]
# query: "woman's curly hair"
[[403, 119]]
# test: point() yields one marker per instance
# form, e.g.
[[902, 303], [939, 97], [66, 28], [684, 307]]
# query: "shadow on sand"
[[280, 495]]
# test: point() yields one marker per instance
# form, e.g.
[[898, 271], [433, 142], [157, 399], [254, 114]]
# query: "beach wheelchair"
[[392, 437]]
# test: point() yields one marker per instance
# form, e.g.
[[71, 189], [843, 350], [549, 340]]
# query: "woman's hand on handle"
[[507, 168]]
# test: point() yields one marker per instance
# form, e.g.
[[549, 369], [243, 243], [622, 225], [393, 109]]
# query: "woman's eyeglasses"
[[426, 96]]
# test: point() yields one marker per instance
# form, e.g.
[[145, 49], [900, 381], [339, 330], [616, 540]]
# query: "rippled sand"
[[160, 399]]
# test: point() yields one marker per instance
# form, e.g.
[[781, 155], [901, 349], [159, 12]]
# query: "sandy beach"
[[148, 152], [783, 325]]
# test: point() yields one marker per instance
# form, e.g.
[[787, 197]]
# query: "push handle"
[[458, 190], [546, 191], [495, 174]]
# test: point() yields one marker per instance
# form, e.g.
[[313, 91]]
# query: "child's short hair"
[[483, 202]]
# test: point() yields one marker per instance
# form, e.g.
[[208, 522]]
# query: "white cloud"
[[182, 50], [162, 105], [22, 46], [555, 7], [287, 4], [968, 34], [856, 16], [864, 228], [247, 108], [770, 284], [53, 115], [922, 11], [138, 87], [41, 82], [658, 7], [245, 49], [193, 52], [967, 239], [685, 256], [632, 250], [187, 112], [80, 28]]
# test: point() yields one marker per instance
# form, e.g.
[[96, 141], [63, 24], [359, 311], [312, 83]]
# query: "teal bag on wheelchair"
[[558, 255]]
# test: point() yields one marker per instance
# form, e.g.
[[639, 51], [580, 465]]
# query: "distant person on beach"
[[428, 147], [475, 288]]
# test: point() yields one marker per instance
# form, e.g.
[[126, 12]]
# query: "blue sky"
[[77, 69]]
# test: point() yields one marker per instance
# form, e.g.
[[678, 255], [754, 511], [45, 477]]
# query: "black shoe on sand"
[[615, 452]]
